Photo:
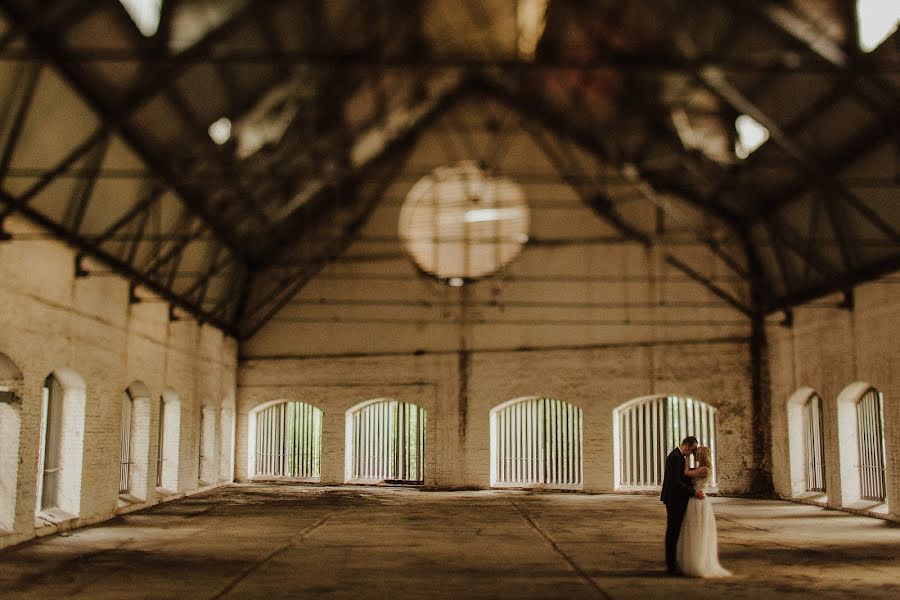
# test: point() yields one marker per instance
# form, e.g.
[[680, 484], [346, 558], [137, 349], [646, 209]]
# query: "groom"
[[677, 489]]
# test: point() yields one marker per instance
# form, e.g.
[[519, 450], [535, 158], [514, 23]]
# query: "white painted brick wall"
[[607, 321], [828, 349], [597, 380], [49, 320]]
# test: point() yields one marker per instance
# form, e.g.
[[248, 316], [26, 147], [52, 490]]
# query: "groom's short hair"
[[689, 441]]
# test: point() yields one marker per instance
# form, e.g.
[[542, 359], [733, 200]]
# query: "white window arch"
[[862, 444], [226, 443], [169, 441], [646, 429], [134, 460], [207, 455], [285, 438], [61, 443], [385, 442], [860, 408], [806, 442], [125, 444], [10, 427], [536, 442], [872, 455]]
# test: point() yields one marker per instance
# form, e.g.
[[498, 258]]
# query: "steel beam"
[[598, 202], [637, 63], [21, 108], [116, 119], [111, 261], [709, 285]]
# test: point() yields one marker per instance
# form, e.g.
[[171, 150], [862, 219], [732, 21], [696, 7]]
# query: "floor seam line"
[[578, 570], [259, 563]]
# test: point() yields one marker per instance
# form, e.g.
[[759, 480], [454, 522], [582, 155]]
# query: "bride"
[[698, 551]]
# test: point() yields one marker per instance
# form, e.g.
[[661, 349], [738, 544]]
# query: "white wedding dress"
[[698, 546]]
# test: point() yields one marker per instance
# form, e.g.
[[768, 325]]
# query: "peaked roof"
[[106, 141]]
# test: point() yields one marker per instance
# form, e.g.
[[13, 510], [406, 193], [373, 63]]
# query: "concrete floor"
[[268, 541]]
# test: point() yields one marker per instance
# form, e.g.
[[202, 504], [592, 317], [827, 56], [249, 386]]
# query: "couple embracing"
[[691, 542]]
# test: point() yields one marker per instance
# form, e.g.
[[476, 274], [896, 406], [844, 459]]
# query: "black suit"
[[677, 489]]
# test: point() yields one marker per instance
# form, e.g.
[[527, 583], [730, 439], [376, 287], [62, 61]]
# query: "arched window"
[[10, 406], [870, 427], [169, 441], [536, 442], [206, 462], [862, 447], [125, 446], [806, 442], [134, 463], [61, 443], [385, 442], [226, 444], [814, 443], [645, 430], [51, 442], [287, 440]]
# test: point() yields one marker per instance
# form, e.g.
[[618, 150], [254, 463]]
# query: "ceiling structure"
[[219, 157]]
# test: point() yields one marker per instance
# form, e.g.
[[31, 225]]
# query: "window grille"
[[200, 456], [647, 430], [387, 442], [161, 446], [536, 441], [814, 444], [289, 441], [125, 452], [870, 424], [51, 443], [460, 222]]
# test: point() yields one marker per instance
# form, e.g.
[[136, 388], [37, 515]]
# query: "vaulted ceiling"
[[106, 139]]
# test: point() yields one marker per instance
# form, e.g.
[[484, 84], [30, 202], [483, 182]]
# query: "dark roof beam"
[[19, 102], [153, 194], [709, 285], [650, 64], [854, 148], [391, 146], [838, 223], [392, 153], [529, 105], [68, 12], [111, 261], [219, 154], [879, 95], [841, 283], [91, 142], [84, 189], [601, 204], [290, 285], [818, 176]]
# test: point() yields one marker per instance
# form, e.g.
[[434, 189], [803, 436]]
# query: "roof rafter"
[[595, 198]]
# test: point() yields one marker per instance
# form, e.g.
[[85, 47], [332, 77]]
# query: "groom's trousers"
[[675, 510]]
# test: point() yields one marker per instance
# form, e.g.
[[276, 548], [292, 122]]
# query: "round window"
[[460, 223]]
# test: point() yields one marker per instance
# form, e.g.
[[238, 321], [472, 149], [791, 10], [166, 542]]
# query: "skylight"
[[220, 130], [482, 215], [531, 20], [145, 14], [750, 136], [877, 20]]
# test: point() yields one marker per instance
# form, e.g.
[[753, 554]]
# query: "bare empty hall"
[[259, 541], [429, 299]]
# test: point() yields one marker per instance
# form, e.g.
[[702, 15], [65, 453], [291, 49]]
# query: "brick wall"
[[582, 314], [51, 320], [827, 350], [458, 437]]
